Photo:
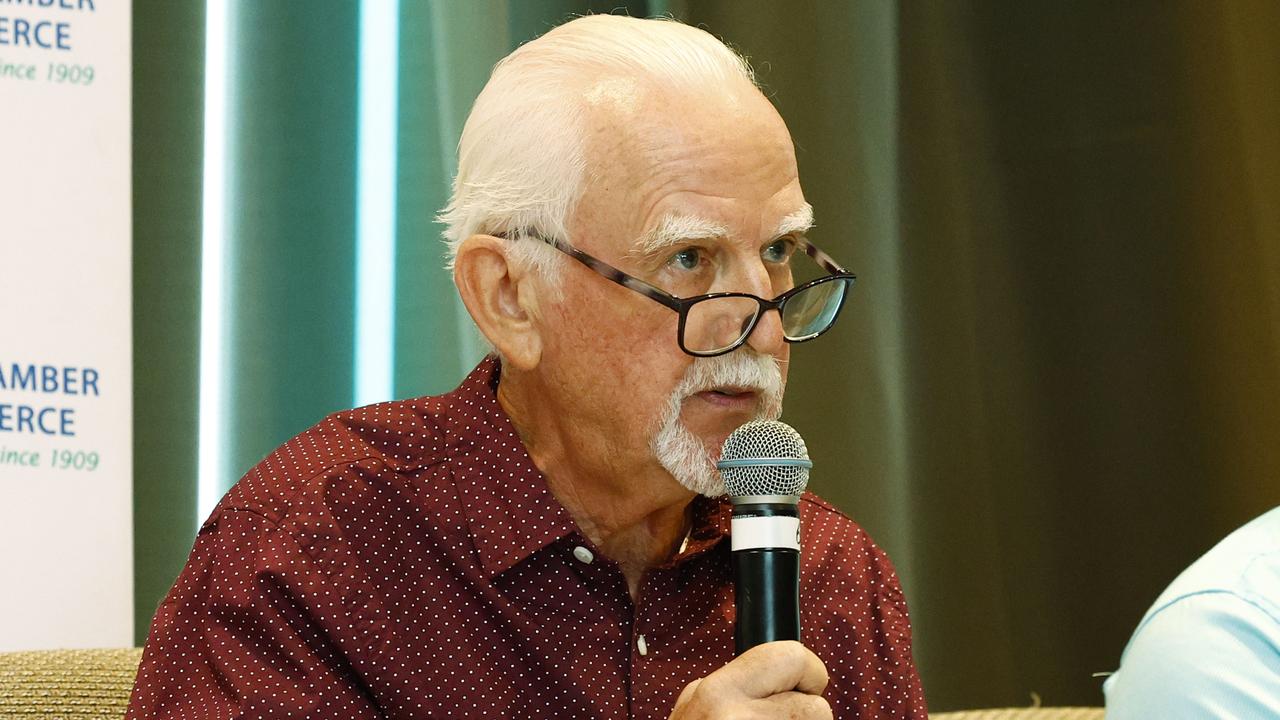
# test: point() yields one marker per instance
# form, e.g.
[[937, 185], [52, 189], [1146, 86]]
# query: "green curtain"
[[1056, 384], [168, 94]]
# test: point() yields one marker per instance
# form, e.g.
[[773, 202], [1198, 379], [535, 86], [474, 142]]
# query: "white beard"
[[682, 454]]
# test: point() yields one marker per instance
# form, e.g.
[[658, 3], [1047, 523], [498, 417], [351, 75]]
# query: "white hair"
[[520, 159]]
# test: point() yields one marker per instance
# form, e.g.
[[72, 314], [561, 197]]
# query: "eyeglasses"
[[718, 323]]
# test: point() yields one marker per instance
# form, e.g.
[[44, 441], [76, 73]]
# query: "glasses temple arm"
[[820, 257], [610, 272]]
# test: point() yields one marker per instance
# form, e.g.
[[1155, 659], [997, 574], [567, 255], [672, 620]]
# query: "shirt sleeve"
[[898, 669], [854, 616], [246, 632], [1208, 655]]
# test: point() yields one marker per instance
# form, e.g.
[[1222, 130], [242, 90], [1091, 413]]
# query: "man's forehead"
[[618, 94], [649, 149], [676, 227], [625, 114]]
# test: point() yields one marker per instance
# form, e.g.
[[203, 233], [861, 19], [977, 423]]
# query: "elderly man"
[[549, 539]]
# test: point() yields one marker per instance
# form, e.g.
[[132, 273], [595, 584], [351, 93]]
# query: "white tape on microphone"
[[772, 531]]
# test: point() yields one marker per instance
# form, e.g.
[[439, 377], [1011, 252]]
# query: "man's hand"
[[776, 680]]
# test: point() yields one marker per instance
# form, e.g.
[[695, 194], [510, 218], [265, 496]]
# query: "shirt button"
[[584, 555], [641, 646]]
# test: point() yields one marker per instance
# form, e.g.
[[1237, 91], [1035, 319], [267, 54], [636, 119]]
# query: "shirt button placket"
[[639, 621]]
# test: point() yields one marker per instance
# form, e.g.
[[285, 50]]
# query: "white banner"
[[66, 536]]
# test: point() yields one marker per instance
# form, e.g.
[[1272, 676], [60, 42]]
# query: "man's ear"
[[501, 297]]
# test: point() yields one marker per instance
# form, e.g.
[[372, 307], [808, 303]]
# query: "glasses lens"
[[812, 310], [718, 323]]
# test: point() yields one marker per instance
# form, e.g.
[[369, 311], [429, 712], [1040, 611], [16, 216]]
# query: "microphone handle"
[[766, 596]]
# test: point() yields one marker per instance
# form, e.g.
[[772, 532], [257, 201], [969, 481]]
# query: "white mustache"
[[740, 370]]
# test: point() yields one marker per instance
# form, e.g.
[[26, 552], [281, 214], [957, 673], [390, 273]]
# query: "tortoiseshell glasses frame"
[[831, 290]]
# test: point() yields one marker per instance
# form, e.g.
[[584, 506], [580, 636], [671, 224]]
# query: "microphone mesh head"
[[764, 439]]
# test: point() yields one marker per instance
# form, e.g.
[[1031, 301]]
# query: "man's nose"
[[767, 337]]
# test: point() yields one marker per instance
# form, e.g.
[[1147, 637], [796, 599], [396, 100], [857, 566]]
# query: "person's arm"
[[894, 680], [854, 616], [1210, 655], [247, 632]]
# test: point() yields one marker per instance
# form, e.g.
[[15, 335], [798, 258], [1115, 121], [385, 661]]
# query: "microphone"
[[765, 467]]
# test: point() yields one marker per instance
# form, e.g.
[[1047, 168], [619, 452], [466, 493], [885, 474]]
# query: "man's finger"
[[798, 705], [687, 693], [773, 668]]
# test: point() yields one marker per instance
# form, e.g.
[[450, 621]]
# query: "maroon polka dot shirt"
[[406, 560]]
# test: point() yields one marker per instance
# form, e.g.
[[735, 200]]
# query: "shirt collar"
[[710, 518], [511, 512]]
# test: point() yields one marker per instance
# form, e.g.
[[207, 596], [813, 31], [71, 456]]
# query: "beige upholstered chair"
[[77, 684], [1048, 713], [82, 684]]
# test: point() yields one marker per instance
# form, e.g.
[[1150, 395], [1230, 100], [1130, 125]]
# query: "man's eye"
[[687, 258], [779, 251]]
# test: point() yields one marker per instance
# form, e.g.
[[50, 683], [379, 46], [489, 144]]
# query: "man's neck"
[[629, 507], [636, 543]]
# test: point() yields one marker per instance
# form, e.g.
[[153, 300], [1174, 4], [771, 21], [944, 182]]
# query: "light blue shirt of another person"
[[1210, 646]]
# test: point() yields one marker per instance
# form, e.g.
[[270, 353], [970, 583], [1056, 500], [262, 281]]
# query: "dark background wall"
[[1057, 383]]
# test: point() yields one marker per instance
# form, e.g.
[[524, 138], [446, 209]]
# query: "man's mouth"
[[729, 397]]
